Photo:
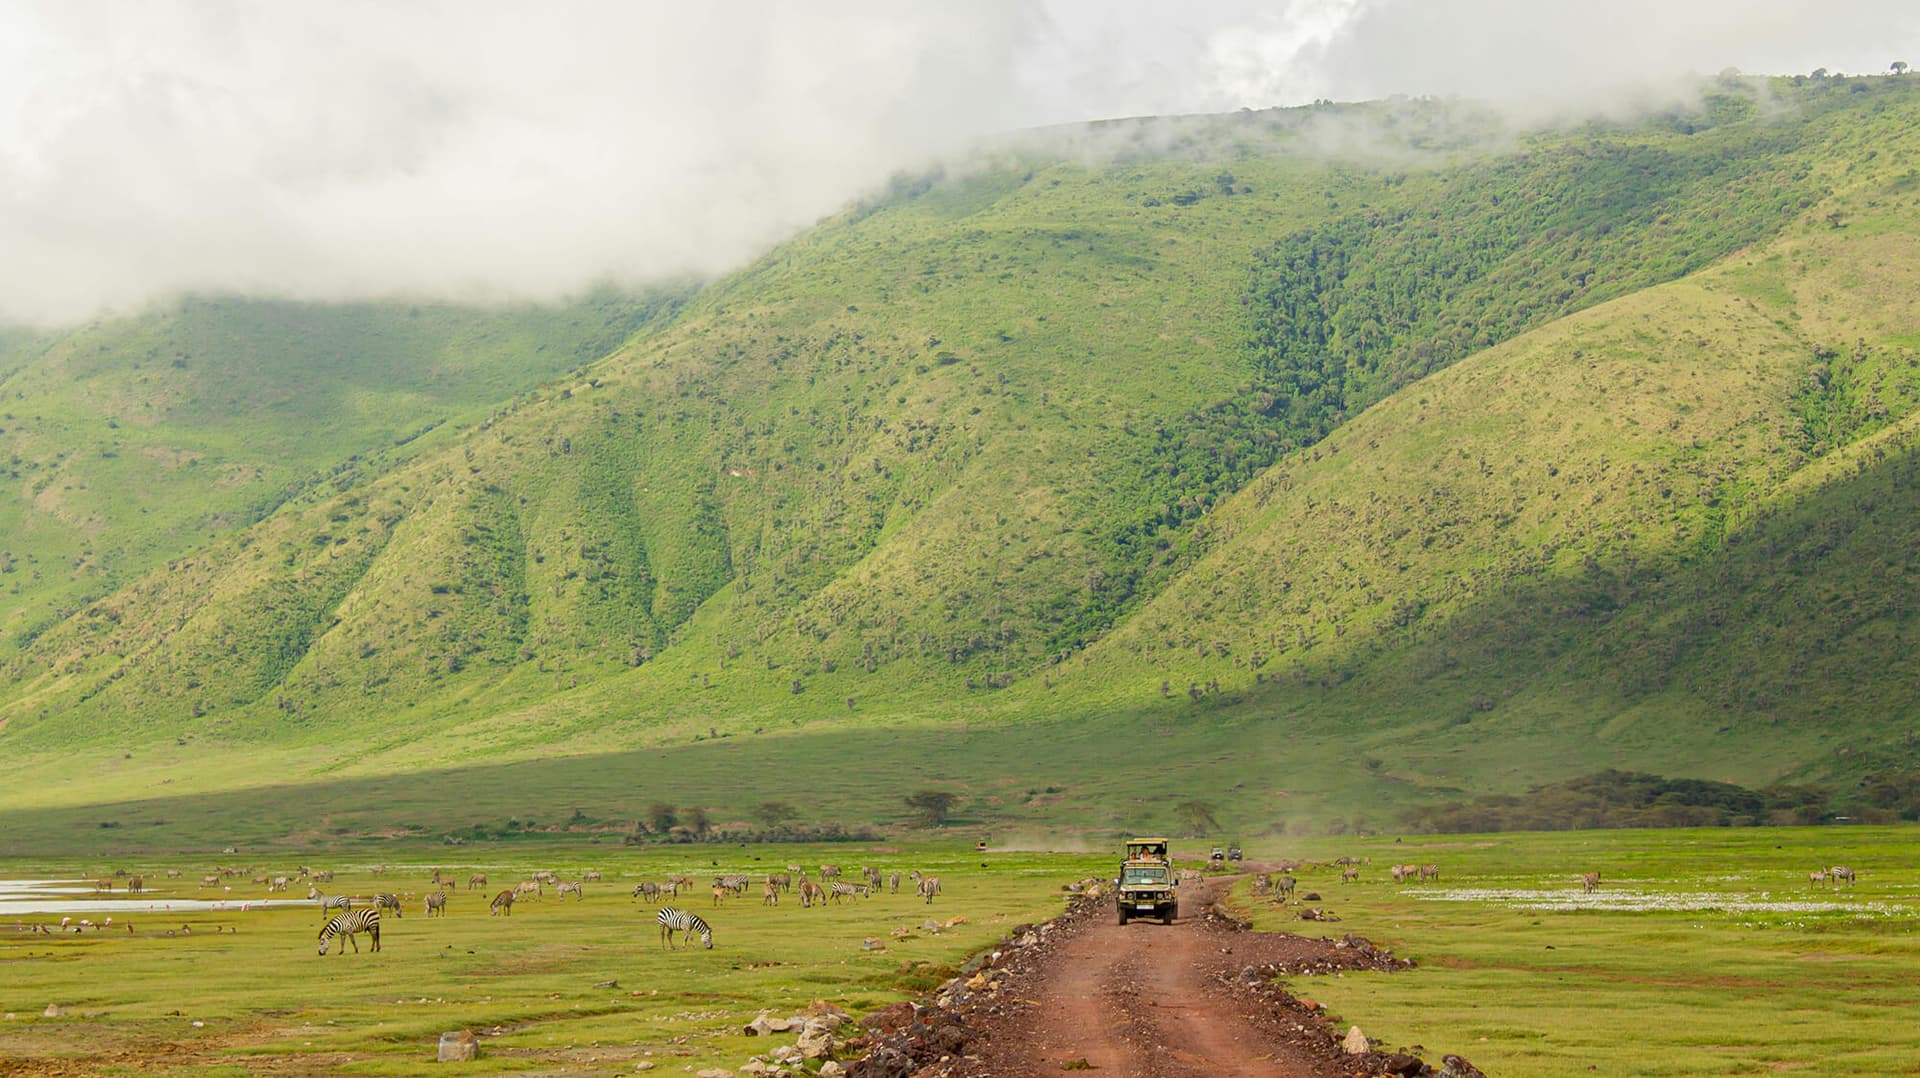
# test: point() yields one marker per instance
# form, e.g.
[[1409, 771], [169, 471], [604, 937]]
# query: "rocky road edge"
[[929, 1037]]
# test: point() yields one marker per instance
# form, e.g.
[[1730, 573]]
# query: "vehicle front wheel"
[[1123, 915]]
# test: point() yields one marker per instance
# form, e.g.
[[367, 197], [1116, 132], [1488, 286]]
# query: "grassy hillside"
[[134, 440], [1424, 468]]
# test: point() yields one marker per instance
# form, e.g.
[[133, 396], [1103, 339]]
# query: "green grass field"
[[1694, 957], [260, 998], [1677, 966]]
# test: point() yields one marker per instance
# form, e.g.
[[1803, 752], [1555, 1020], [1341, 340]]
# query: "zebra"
[[677, 881], [477, 881], [323, 876], [925, 886], [782, 880], [672, 920], [1283, 888], [592, 874], [502, 903], [1429, 872], [829, 872], [894, 881], [1840, 874], [328, 902], [386, 900], [811, 892], [347, 924], [572, 887], [648, 890], [873, 878], [1590, 881], [1350, 874], [529, 887], [845, 890], [1817, 877], [437, 903], [770, 893]]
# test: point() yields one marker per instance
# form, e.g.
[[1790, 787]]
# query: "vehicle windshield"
[[1144, 874]]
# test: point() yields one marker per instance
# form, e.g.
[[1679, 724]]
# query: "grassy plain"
[[1697, 956], [258, 998]]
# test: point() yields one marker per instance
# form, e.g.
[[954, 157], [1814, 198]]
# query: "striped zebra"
[[437, 903], [1590, 881], [811, 892], [477, 881], [327, 902], [1429, 872], [502, 903], [647, 890], [829, 872], [387, 901], [673, 920], [733, 881], [770, 893], [893, 882], [529, 887], [1839, 874], [592, 874], [1283, 886], [873, 878], [572, 887], [1350, 874], [846, 890], [925, 886], [347, 924]]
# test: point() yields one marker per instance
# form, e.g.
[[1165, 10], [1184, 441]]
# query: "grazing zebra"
[[592, 875], [173, 873], [1283, 888], [437, 903], [873, 878], [769, 893], [735, 882], [647, 890], [1429, 872], [1350, 874], [502, 903], [782, 880], [1817, 877], [387, 901], [846, 890], [829, 872], [1839, 874], [1590, 881], [811, 892], [572, 887], [925, 886], [136, 884], [677, 881], [477, 881], [530, 887], [672, 920], [278, 883], [893, 882], [323, 876], [347, 924], [328, 902]]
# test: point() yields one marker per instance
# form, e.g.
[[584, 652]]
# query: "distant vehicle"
[[1233, 853], [1217, 856], [1147, 885]]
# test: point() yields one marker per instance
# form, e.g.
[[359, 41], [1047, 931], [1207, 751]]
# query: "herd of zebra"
[[350, 922]]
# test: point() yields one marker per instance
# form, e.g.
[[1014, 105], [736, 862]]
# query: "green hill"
[[1319, 483]]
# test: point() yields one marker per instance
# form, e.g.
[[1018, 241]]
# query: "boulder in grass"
[[53, 1011], [1355, 1043], [458, 1046]]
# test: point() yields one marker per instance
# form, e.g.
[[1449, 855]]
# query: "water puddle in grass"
[[1626, 900], [23, 898]]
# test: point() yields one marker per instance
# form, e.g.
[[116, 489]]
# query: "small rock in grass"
[[1355, 1043], [760, 1026], [53, 1011], [872, 943], [831, 1069], [458, 1046], [713, 1072], [644, 1065]]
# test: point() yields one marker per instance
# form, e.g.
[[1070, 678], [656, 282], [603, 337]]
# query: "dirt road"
[[1145, 1000]]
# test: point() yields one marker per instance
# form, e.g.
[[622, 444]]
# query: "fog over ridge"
[[489, 151]]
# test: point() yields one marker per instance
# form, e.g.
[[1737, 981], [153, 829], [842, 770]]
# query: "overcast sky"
[[467, 149]]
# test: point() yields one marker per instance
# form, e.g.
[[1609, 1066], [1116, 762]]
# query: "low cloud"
[[489, 151]]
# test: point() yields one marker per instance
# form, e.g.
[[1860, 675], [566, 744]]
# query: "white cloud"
[[472, 149]]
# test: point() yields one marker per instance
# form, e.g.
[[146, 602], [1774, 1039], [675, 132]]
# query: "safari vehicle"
[[1147, 884], [1216, 857], [1233, 853]]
